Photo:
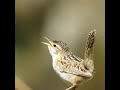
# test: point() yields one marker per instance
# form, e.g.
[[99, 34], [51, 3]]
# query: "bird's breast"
[[67, 77]]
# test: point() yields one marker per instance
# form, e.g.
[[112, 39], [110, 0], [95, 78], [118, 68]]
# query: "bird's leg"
[[73, 87]]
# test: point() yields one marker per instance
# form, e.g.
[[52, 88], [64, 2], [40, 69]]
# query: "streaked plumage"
[[69, 66]]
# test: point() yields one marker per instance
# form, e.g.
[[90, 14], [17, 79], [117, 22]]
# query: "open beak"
[[49, 44]]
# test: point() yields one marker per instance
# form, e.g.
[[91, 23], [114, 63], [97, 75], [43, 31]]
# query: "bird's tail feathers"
[[88, 55]]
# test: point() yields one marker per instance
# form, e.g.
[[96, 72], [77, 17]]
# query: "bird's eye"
[[54, 45]]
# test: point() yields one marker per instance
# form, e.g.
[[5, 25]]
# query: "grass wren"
[[70, 67]]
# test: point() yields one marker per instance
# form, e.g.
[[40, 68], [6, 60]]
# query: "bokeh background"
[[66, 20]]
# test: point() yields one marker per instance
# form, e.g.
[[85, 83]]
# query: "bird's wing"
[[72, 67]]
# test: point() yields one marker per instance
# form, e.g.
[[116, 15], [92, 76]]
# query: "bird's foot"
[[71, 88]]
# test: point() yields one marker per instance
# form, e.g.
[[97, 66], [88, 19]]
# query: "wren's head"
[[57, 47]]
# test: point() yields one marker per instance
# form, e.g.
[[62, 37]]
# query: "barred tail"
[[89, 45], [88, 56]]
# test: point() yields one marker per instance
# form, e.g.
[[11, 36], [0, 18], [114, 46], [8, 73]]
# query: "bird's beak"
[[49, 44]]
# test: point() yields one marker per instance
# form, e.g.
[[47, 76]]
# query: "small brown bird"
[[70, 67]]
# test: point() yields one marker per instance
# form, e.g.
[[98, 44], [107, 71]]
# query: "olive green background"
[[66, 20]]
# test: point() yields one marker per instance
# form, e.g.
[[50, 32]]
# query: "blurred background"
[[66, 20]]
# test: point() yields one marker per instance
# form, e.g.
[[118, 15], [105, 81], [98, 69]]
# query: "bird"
[[70, 67]]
